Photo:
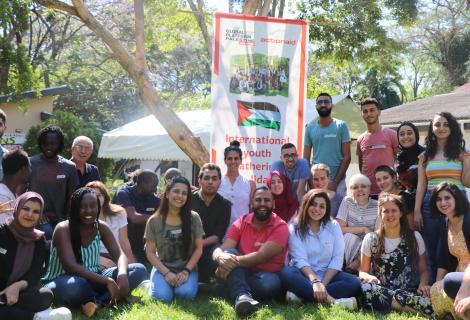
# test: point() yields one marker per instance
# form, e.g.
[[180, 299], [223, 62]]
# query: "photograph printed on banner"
[[259, 75]]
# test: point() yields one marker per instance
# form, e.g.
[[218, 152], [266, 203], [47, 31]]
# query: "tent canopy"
[[146, 139]]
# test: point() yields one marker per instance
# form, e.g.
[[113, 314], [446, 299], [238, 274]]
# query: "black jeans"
[[30, 301]]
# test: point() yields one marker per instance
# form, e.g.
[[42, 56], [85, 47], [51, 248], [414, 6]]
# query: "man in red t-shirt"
[[253, 253]]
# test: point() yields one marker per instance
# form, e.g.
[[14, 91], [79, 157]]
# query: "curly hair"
[[54, 130], [455, 143]]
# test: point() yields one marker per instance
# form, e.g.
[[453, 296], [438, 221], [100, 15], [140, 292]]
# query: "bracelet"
[[166, 273], [187, 270], [314, 281]]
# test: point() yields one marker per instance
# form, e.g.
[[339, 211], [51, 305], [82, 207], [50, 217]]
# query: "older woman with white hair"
[[357, 216], [82, 150]]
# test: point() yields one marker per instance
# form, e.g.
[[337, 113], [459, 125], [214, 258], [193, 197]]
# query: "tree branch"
[[59, 5], [139, 34], [200, 18]]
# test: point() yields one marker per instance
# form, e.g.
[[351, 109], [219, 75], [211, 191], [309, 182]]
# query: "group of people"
[[396, 236], [258, 80]]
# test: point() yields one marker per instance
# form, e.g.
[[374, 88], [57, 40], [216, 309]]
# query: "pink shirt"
[[376, 149], [250, 239]]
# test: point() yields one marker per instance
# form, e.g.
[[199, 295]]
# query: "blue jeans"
[[343, 285], [74, 291], [261, 285], [430, 232], [452, 282], [163, 291]]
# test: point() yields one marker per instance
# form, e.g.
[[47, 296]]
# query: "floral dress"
[[399, 280]]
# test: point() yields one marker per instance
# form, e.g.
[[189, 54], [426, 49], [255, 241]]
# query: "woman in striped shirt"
[[445, 160], [73, 272]]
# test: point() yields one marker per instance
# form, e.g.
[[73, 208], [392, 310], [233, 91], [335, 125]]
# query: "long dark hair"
[[185, 212], [302, 218], [455, 143], [405, 231], [74, 219]]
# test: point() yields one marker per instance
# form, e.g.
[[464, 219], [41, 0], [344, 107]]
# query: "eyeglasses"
[[83, 148], [290, 155], [325, 101]]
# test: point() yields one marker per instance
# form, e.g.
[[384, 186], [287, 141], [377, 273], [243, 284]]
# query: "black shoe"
[[245, 305]]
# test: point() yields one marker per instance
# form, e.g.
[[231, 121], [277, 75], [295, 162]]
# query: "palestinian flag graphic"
[[261, 114]]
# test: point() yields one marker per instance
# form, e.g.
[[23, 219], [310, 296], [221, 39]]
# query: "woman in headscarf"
[[22, 255], [285, 203]]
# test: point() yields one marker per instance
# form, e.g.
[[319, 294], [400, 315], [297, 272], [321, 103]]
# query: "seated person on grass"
[[457, 287], [74, 274], [253, 254]]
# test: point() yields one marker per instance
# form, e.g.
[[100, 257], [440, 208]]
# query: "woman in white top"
[[357, 216], [115, 217], [235, 187], [393, 263]]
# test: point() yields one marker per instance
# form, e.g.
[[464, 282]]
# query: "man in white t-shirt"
[[16, 171]]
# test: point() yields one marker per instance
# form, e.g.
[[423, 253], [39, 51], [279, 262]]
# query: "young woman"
[[445, 159], [316, 246], [115, 218], [22, 255], [357, 216], [320, 179], [73, 273], [393, 262], [235, 187], [454, 240], [174, 241], [387, 181], [285, 204], [407, 158]]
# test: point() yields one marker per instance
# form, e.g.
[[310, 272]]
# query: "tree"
[[136, 67]]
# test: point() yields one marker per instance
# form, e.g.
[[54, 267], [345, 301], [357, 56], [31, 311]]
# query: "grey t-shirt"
[[169, 240]]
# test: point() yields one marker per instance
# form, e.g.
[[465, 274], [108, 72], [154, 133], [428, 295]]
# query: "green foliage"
[[72, 126], [382, 87]]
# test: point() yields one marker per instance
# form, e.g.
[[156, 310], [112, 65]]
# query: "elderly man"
[[82, 149]]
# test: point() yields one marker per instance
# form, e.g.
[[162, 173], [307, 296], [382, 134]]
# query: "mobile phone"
[[3, 299]]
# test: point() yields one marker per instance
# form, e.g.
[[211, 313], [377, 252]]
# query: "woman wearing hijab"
[[285, 202], [22, 255]]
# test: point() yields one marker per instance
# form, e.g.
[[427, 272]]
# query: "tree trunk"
[[176, 128], [282, 4], [250, 7], [265, 8], [4, 70]]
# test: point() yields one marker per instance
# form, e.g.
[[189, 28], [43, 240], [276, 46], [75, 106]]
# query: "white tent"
[[146, 139]]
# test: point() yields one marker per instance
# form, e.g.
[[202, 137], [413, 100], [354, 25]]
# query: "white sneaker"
[[146, 284], [292, 297], [53, 314], [347, 303]]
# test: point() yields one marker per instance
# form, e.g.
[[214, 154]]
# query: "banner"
[[258, 89]]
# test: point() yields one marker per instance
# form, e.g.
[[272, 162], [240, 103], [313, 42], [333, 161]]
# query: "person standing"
[[377, 146], [82, 149], [329, 141]]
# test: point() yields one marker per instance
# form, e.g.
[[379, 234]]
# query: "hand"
[[365, 230], [462, 305], [424, 290], [221, 273], [123, 283], [370, 279], [463, 293], [113, 289], [181, 277], [333, 185], [171, 278], [6, 206], [227, 261], [319, 292], [418, 220], [11, 293]]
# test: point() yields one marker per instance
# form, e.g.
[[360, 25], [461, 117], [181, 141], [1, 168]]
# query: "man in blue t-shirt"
[[296, 169], [140, 202], [329, 141]]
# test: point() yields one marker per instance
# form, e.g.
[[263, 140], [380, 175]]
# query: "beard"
[[324, 112], [262, 216]]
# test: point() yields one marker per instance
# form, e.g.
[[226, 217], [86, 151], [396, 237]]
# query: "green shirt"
[[169, 240]]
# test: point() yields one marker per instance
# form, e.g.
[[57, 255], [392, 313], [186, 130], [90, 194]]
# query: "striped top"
[[438, 171], [90, 257], [358, 216]]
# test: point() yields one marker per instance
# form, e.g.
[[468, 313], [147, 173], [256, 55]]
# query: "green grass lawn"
[[205, 307]]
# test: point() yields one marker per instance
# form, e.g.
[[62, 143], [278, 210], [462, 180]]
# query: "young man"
[[3, 127], [328, 138], [298, 170], [140, 202], [214, 211], [53, 177], [82, 149], [16, 172], [377, 146], [253, 253]]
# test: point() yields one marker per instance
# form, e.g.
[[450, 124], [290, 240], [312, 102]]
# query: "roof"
[[423, 110], [54, 91], [465, 87]]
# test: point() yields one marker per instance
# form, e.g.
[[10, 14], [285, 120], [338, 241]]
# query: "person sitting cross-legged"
[[252, 254]]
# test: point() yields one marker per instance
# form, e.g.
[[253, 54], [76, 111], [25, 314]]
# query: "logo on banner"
[[261, 114]]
